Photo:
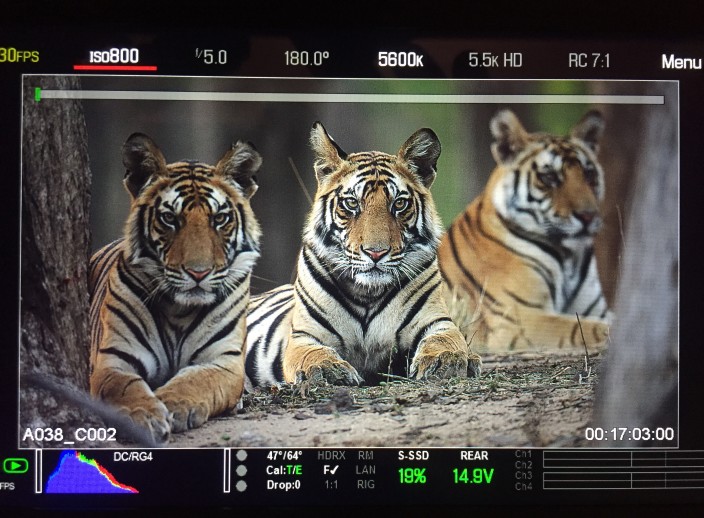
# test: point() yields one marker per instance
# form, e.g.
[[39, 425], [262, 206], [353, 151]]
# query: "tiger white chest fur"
[[375, 336]]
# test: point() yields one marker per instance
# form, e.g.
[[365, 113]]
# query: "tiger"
[[168, 301], [367, 296], [520, 258]]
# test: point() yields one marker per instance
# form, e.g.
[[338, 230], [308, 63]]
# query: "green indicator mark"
[[37, 94], [478, 476], [294, 469]]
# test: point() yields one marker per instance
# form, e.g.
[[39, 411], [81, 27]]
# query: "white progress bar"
[[146, 95]]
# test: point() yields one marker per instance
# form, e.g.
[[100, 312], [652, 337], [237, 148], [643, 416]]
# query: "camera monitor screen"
[[281, 270]]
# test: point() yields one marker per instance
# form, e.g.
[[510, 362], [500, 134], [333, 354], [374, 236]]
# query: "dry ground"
[[520, 400]]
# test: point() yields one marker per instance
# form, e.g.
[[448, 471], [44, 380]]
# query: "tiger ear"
[[328, 155], [241, 163], [590, 129], [142, 158], [510, 137], [421, 152]]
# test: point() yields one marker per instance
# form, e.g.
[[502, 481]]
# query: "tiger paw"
[[601, 332], [151, 415], [596, 334], [447, 364], [474, 365], [185, 413], [336, 373]]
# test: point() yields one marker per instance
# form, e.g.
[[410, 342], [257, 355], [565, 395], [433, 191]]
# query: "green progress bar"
[[37, 94]]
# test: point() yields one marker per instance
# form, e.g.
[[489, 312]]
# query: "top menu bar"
[[353, 56]]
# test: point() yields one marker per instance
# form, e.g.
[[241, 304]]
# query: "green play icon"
[[15, 466]]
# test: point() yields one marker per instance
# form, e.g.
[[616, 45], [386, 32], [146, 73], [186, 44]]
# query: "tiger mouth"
[[379, 267], [193, 293], [564, 228], [586, 232], [590, 230], [355, 269], [197, 290], [375, 277], [379, 275], [557, 234]]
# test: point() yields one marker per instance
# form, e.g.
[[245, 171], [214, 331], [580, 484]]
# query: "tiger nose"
[[586, 216], [375, 253], [198, 275]]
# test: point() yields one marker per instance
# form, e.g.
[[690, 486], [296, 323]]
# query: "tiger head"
[[373, 220], [191, 227], [547, 185]]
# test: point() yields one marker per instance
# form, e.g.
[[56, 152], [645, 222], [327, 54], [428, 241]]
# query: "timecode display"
[[630, 434]]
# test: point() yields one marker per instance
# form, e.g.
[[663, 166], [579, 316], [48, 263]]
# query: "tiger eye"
[[401, 204], [550, 178], [221, 218], [351, 204], [168, 218], [591, 176]]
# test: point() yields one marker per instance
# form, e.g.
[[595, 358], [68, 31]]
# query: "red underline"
[[132, 68]]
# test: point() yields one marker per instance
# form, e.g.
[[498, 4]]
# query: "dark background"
[[625, 21]]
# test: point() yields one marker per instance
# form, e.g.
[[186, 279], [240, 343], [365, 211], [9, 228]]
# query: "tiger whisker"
[[259, 277]]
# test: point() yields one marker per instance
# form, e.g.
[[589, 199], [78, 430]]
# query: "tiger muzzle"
[[375, 253], [590, 220], [197, 274]]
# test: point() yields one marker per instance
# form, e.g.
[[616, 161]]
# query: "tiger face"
[[550, 186], [373, 219], [191, 226]]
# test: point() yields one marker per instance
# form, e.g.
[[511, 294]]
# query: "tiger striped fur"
[[521, 256], [367, 299], [168, 302]]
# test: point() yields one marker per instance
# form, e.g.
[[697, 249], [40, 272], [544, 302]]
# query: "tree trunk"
[[639, 386], [618, 154], [55, 244]]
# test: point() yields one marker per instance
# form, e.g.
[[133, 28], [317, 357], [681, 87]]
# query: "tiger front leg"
[[541, 331], [445, 354], [131, 395], [199, 392], [307, 360]]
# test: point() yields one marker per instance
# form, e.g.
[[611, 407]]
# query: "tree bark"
[[639, 386], [55, 241], [618, 154]]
